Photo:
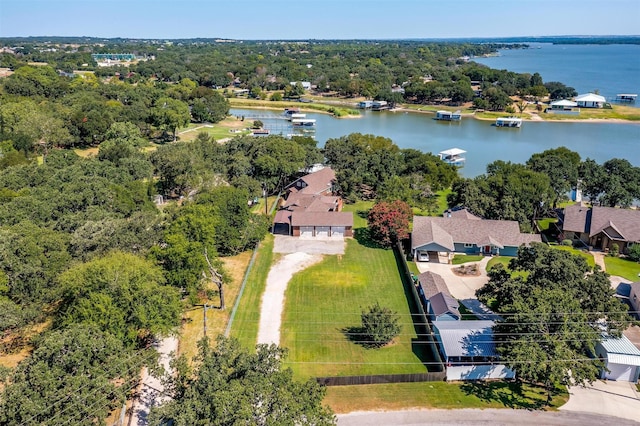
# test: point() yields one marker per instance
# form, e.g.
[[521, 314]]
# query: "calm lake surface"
[[611, 69], [483, 142]]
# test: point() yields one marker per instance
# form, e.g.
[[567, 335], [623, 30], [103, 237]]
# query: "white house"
[[590, 100], [563, 106], [621, 359]]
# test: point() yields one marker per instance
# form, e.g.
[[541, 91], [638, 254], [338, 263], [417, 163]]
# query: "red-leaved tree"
[[389, 222]]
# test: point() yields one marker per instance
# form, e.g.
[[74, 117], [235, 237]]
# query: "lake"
[[611, 69], [483, 142]]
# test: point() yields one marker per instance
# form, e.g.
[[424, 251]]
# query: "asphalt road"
[[475, 417]]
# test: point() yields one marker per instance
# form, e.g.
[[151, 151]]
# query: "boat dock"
[[453, 156], [448, 116], [513, 122], [626, 97]]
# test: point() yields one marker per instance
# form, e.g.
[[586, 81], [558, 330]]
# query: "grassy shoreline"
[[619, 114]]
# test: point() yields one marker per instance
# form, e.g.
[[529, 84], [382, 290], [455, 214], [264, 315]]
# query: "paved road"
[[151, 392], [489, 417]]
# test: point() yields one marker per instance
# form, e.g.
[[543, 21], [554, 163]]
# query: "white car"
[[423, 256]]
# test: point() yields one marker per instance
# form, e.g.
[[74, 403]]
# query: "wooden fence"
[[382, 378]]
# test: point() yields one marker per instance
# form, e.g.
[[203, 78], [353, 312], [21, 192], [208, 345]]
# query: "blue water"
[[483, 142], [611, 69]]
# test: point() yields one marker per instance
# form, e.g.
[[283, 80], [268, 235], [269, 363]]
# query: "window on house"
[[468, 245]]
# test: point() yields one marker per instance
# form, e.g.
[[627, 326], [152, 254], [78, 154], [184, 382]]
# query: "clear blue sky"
[[318, 19]]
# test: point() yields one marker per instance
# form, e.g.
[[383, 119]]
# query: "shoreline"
[[529, 119]]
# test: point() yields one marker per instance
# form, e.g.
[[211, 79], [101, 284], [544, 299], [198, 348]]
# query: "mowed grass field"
[[623, 268], [245, 323], [325, 300], [398, 396]]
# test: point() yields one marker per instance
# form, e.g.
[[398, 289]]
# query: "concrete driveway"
[[610, 398], [459, 287], [309, 245]]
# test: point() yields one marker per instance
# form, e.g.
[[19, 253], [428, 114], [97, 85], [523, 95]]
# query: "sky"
[[317, 19]]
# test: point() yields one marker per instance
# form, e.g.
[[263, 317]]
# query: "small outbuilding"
[[621, 359], [469, 351]]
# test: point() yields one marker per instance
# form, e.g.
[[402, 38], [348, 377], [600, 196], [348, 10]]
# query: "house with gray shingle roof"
[[602, 227], [434, 294], [462, 232]]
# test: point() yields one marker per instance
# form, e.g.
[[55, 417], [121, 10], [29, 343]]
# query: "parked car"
[[423, 256]]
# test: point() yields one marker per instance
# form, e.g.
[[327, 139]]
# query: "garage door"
[[337, 231], [306, 231], [322, 231], [620, 372]]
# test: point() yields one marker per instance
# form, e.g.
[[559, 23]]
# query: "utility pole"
[[205, 320], [264, 194]]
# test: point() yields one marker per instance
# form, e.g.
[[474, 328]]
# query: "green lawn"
[[245, 324], [546, 222], [325, 300], [504, 260], [397, 396], [360, 210], [459, 259], [622, 268], [587, 256]]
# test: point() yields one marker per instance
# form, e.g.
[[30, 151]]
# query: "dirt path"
[[152, 389], [273, 297]]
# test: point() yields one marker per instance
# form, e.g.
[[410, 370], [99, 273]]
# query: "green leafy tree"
[[76, 375], [634, 252], [380, 325], [559, 298], [169, 114], [234, 386], [121, 294], [561, 165], [388, 222]]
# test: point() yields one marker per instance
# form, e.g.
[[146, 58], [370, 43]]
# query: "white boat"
[[508, 122]]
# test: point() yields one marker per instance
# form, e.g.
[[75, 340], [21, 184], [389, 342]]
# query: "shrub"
[[379, 325], [634, 252], [614, 251], [567, 243]]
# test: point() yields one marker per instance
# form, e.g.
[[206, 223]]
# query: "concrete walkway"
[[273, 298], [611, 398], [152, 389]]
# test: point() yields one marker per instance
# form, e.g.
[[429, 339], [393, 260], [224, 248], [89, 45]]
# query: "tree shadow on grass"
[[358, 335], [364, 238], [508, 393]]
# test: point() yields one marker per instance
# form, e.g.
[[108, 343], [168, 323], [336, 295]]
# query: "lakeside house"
[[563, 106], [602, 227], [462, 232], [469, 351], [311, 209], [590, 100]]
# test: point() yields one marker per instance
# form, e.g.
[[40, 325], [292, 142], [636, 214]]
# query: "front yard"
[[622, 268], [324, 301]]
